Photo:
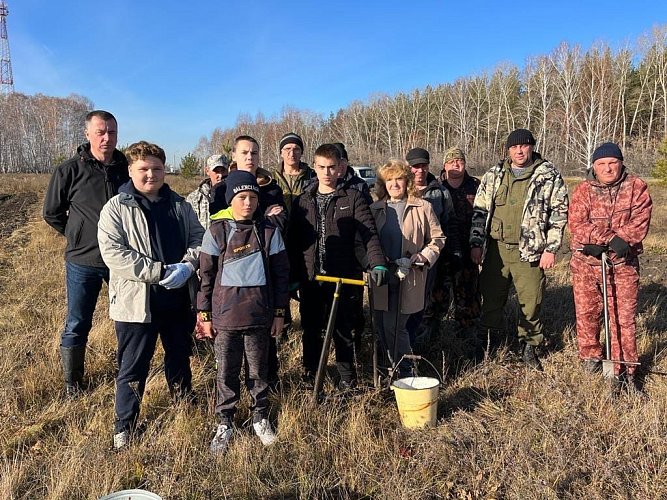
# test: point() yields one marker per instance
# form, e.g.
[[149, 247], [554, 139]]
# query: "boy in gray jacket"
[[149, 237]]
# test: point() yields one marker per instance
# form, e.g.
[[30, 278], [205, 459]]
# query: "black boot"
[[530, 357], [73, 359]]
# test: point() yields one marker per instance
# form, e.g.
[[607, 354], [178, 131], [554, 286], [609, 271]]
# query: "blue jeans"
[[83, 287]]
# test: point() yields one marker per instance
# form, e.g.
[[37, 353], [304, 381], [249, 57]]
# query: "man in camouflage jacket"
[[610, 211], [519, 215]]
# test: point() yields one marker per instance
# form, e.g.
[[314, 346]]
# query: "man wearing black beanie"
[[292, 174], [610, 212], [519, 215]]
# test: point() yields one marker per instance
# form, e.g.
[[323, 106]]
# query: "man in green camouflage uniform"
[[519, 215]]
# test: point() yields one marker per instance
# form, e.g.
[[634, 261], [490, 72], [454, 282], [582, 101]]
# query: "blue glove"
[[176, 275], [378, 275]]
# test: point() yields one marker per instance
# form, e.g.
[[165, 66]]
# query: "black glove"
[[378, 275], [593, 250], [619, 246]]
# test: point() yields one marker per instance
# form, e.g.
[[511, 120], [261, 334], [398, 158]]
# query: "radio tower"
[[6, 78]]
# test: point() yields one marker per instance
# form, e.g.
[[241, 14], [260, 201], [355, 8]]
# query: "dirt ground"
[[14, 211]]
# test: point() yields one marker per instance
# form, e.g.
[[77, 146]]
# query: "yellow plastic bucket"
[[417, 401]]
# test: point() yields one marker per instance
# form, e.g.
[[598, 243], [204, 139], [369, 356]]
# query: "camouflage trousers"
[[622, 289], [461, 283]]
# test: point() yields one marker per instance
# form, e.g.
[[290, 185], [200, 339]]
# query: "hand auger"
[[324, 356], [607, 362]]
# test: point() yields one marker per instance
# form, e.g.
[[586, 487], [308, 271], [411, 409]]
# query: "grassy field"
[[503, 431]]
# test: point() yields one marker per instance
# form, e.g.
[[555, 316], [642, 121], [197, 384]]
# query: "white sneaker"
[[121, 440], [221, 439], [265, 432]]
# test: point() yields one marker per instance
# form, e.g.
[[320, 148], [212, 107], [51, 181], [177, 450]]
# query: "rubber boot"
[[529, 357], [73, 359]]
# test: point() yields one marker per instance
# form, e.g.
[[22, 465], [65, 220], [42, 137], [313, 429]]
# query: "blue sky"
[[173, 71]]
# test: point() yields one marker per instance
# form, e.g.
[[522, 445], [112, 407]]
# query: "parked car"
[[367, 173]]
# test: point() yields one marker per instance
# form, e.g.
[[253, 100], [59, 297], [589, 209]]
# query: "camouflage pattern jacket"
[[599, 212], [544, 213], [200, 200]]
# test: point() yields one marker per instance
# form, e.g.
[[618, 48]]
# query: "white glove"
[[176, 275]]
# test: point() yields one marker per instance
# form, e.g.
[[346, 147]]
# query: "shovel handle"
[[344, 281]]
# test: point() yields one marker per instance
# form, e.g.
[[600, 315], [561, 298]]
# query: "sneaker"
[[265, 432], [529, 357], [121, 440], [223, 435]]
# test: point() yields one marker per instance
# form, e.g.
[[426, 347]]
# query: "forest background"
[[571, 99]]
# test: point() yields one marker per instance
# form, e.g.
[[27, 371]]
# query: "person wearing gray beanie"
[[519, 215]]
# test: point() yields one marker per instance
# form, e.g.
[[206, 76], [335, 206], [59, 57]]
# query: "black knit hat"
[[341, 147], [290, 138], [607, 150], [239, 181], [520, 136], [417, 156]]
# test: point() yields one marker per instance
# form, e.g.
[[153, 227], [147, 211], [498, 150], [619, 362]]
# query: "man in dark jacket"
[[321, 239], [271, 205], [441, 201], [78, 190], [459, 271]]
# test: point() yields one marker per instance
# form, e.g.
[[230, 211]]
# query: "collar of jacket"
[[409, 202], [117, 158], [127, 194], [311, 189], [303, 168]]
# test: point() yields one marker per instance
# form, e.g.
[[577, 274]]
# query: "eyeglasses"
[[421, 166]]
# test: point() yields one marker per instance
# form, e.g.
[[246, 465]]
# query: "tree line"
[[38, 132], [571, 99]]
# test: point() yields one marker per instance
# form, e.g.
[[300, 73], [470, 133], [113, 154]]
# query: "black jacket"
[[269, 194], [78, 190], [352, 181], [347, 215]]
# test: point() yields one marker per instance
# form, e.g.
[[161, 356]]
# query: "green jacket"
[[544, 213], [304, 178]]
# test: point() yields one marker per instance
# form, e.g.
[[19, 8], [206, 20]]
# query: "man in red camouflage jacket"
[[610, 211]]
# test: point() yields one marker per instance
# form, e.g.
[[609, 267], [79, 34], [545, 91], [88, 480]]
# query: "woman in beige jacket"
[[411, 239]]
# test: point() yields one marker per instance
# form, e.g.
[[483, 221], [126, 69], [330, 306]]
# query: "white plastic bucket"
[[417, 401], [131, 495]]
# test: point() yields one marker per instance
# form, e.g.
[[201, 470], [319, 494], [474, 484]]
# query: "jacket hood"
[[264, 177], [130, 191]]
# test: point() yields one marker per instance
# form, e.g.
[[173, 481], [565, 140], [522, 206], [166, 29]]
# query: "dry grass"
[[503, 432]]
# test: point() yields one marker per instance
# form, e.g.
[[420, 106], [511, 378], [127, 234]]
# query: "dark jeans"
[[136, 346], [83, 287], [232, 348], [316, 300]]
